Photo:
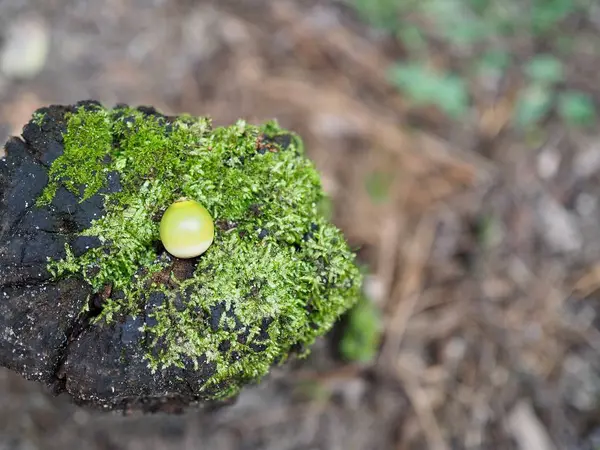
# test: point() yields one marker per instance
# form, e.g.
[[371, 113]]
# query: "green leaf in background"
[[495, 60], [455, 21], [545, 69], [489, 231], [378, 186], [533, 104], [325, 207], [362, 334], [564, 44], [576, 108], [546, 14], [380, 13], [505, 18], [311, 390], [426, 87], [492, 63], [413, 38], [479, 6], [466, 32]]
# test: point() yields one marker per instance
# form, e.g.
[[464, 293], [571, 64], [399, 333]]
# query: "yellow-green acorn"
[[186, 229]]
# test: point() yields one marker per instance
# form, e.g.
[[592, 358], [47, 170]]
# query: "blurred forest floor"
[[481, 241]]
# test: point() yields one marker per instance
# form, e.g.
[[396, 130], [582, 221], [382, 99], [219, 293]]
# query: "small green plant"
[[426, 87], [362, 334], [542, 94], [537, 98], [533, 104], [378, 186], [576, 108], [488, 231], [312, 390], [545, 69], [380, 13], [325, 207]]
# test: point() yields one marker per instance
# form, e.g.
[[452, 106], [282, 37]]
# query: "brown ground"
[[484, 258]]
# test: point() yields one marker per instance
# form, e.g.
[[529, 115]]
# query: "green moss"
[[38, 118], [278, 273], [88, 141]]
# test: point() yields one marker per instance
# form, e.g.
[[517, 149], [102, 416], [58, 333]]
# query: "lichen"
[[277, 275]]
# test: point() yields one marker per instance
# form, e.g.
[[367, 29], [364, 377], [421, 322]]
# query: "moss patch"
[[277, 275]]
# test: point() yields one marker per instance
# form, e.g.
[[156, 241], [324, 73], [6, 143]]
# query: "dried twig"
[[527, 429], [406, 292], [390, 235], [423, 409]]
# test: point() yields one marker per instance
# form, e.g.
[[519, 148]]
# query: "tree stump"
[[92, 304]]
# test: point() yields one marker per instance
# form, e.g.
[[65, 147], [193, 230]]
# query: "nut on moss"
[[186, 229], [276, 276]]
